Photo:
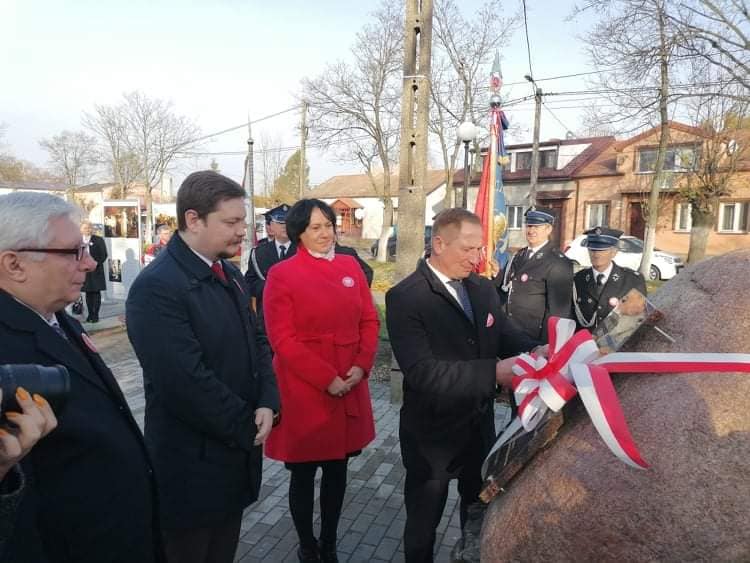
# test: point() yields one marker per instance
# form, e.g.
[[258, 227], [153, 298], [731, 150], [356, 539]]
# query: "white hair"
[[25, 219]]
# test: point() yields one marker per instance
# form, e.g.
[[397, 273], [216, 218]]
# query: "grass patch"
[[653, 286], [381, 315], [384, 273]]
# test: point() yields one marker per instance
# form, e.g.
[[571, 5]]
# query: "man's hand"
[[34, 423], [338, 387], [354, 376], [504, 371], [264, 422]]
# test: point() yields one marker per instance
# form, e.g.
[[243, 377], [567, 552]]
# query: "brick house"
[[601, 181], [612, 189]]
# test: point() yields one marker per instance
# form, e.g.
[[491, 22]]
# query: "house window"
[[677, 159], [597, 215], [547, 159], [733, 217], [515, 217], [682, 219]]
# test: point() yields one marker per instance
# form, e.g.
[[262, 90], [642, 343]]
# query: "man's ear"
[[191, 219], [11, 267]]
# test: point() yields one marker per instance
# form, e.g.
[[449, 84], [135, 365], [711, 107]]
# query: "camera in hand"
[[51, 382]]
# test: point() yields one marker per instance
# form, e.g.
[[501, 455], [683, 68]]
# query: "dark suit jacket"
[[540, 288], [590, 301], [95, 280], [90, 492], [206, 369], [449, 368]]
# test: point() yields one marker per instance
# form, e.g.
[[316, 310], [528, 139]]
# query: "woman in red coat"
[[323, 329]]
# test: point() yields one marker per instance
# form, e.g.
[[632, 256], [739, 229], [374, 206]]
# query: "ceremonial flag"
[[490, 205]]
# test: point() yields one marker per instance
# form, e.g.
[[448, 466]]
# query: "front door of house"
[[637, 223]]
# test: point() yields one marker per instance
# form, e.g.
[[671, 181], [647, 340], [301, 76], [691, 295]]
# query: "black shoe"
[[95, 320], [328, 552], [308, 554], [88, 319]]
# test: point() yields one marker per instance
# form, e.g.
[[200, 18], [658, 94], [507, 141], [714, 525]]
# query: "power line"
[[556, 118], [528, 44], [242, 126]]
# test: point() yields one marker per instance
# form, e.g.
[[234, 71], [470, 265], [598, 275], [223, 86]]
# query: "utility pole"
[[303, 142], [535, 147], [249, 185], [415, 99]]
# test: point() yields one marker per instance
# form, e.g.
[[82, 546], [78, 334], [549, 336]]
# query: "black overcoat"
[[206, 369], [449, 368], [597, 305], [90, 493], [536, 289], [95, 279]]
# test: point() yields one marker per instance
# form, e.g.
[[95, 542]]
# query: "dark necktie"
[[282, 252], [58, 329], [219, 271], [463, 298], [600, 280]]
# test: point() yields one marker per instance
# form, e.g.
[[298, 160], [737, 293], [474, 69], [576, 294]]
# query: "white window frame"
[[673, 150], [736, 222], [515, 217], [679, 210], [590, 207]]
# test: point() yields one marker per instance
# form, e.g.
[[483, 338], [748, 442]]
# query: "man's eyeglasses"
[[78, 251]]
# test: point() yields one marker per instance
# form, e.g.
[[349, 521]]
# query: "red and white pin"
[[490, 320], [614, 301], [347, 281], [89, 343], [525, 277]]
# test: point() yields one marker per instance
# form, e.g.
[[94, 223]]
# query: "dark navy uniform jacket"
[[595, 304], [537, 288]]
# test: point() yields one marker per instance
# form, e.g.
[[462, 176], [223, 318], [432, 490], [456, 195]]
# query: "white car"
[[664, 266]]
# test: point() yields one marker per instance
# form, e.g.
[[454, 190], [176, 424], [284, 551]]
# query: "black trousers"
[[93, 304], [216, 544], [302, 499], [425, 501]]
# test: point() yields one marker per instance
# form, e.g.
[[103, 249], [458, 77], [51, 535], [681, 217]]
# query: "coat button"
[[470, 340]]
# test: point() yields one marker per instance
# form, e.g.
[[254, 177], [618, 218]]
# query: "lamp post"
[[467, 132]]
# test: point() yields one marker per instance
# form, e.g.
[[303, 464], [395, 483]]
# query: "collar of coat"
[[188, 259], [435, 283]]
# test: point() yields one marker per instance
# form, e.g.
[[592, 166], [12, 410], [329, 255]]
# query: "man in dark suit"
[[210, 390], [90, 493], [599, 289], [265, 255], [447, 330], [537, 281], [95, 282]]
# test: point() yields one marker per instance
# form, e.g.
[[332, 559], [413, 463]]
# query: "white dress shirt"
[[606, 273]]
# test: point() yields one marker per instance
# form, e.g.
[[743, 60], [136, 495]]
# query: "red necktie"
[[219, 271]]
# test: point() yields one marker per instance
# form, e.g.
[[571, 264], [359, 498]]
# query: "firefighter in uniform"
[[537, 281], [599, 289]]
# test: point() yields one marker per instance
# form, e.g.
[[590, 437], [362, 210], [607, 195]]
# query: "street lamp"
[[467, 132]]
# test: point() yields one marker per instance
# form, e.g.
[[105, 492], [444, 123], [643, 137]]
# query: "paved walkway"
[[372, 521]]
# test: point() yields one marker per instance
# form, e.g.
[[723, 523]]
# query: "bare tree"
[[634, 44], [717, 31], [354, 106], [271, 160], [463, 52], [155, 135], [723, 145], [71, 154], [110, 127]]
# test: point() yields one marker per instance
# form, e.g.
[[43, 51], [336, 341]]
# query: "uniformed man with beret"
[[537, 281], [599, 289]]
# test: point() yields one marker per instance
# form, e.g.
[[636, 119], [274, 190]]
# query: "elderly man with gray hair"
[[90, 491]]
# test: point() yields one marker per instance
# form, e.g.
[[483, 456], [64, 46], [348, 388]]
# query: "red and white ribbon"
[[575, 367]]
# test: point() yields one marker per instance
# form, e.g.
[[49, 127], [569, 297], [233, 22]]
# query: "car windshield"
[[636, 242]]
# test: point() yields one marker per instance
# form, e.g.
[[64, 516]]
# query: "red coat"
[[321, 321]]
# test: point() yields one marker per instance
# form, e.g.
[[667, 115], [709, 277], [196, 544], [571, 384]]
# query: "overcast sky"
[[218, 60]]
